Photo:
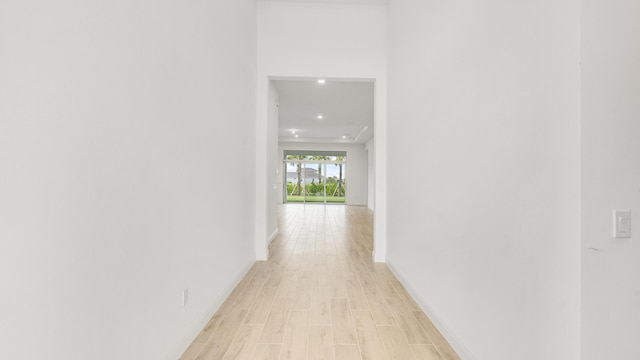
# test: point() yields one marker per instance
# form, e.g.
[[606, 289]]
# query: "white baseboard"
[[198, 325], [273, 236], [437, 320]]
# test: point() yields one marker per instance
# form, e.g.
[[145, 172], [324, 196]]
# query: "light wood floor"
[[320, 297]]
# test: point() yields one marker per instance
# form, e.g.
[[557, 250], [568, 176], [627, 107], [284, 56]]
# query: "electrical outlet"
[[185, 297]]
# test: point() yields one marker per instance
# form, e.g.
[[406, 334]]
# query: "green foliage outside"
[[314, 189], [315, 193]]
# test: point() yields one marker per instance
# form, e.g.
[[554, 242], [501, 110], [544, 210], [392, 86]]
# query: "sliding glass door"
[[336, 185], [315, 179], [314, 182]]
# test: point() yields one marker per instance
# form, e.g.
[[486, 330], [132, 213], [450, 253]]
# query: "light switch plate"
[[185, 297], [621, 224]]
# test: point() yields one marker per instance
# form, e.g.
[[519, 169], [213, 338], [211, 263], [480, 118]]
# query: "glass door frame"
[[303, 174]]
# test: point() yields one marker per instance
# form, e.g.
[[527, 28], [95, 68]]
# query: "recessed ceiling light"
[[293, 132], [321, 81], [296, 135], [344, 136], [320, 117]]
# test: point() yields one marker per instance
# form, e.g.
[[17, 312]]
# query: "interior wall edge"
[[458, 346], [179, 348], [273, 235]]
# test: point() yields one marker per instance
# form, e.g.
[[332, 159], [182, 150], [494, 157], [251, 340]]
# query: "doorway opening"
[[306, 114], [319, 121]]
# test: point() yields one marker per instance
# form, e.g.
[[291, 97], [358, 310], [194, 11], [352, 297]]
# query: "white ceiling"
[[347, 108]]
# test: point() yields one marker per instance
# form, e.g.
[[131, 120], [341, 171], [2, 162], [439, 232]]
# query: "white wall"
[[322, 40], [356, 172], [611, 178], [371, 171], [484, 120], [274, 160], [116, 120]]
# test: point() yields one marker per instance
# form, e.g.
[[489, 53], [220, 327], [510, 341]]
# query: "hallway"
[[320, 297]]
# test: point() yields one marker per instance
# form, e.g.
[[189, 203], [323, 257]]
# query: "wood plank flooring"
[[320, 296]]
